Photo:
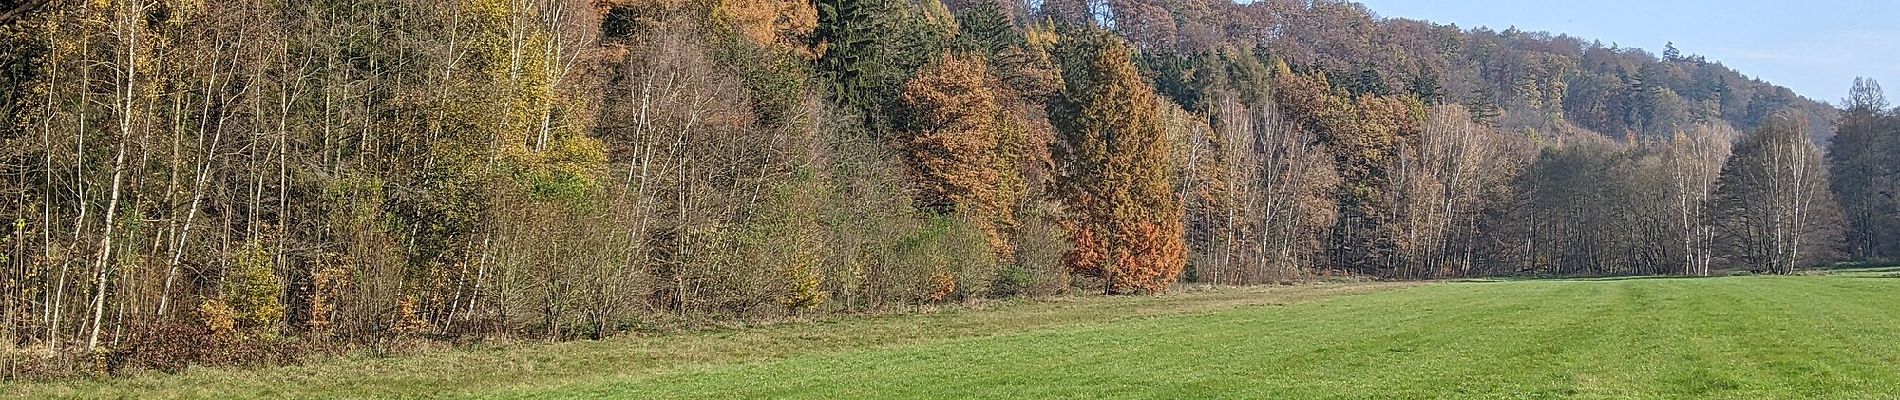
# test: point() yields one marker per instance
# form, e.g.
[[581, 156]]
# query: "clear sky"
[[1815, 47]]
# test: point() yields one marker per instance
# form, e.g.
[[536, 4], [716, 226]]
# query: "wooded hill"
[[247, 181]]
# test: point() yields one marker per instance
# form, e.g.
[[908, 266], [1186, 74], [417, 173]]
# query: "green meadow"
[[1820, 336]]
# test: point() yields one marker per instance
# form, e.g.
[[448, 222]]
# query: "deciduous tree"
[[1771, 208], [1115, 172]]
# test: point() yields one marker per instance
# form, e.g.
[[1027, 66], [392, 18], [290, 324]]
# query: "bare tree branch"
[[21, 9]]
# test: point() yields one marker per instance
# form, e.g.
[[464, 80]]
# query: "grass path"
[[1726, 338]]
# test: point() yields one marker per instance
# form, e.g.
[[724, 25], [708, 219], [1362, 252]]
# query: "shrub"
[[166, 346], [949, 259], [251, 292]]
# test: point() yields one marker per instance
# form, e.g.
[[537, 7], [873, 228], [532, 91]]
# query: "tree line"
[[251, 182]]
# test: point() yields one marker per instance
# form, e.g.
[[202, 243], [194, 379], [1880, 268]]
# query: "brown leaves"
[[958, 151], [953, 134]]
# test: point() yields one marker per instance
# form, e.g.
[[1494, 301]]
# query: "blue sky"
[[1815, 47]]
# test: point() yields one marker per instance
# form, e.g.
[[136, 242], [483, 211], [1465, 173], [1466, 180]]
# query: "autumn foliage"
[[786, 23], [1115, 174], [189, 181], [953, 135]]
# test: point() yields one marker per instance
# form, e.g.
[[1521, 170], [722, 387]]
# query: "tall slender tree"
[[1866, 172], [1115, 172]]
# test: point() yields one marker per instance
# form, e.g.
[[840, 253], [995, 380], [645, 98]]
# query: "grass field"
[[1835, 336]]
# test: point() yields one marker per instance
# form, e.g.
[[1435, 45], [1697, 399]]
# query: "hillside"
[[1535, 80], [245, 182]]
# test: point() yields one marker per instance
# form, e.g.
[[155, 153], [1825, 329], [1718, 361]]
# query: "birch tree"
[[1771, 208], [1694, 160]]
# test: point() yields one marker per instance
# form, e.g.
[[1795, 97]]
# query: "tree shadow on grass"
[[1850, 270], [1635, 278], [1505, 279]]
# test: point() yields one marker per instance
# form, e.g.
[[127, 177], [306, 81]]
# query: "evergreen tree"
[[858, 39], [870, 48], [984, 27]]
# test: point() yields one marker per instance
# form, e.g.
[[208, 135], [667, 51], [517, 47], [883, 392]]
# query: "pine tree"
[[984, 27], [856, 39], [870, 48]]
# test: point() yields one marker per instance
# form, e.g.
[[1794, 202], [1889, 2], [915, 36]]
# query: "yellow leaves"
[[514, 113], [408, 321], [251, 290], [578, 152], [218, 317], [806, 287], [940, 17], [498, 10], [769, 23], [1043, 35], [184, 8]]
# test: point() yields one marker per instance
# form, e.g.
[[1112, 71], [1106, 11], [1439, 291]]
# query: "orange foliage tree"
[[953, 144], [1115, 174], [952, 138]]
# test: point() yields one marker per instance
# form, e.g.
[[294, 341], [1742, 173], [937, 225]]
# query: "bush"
[[949, 259], [1036, 268], [172, 346], [250, 293], [166, 346], [1013, 280]]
